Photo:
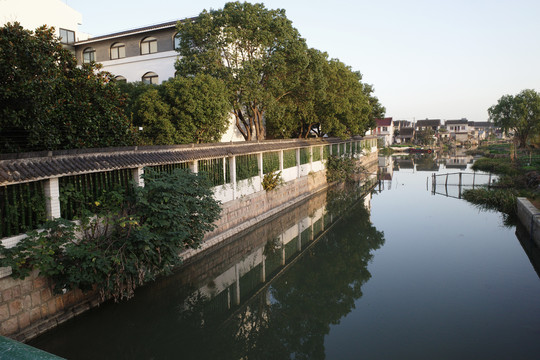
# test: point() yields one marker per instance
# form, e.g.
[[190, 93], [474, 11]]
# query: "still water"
[[401, 273]]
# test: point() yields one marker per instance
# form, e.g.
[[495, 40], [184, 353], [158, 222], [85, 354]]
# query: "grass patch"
[[498, 165]]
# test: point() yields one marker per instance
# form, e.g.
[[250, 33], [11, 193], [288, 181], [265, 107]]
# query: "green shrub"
[[121, 241], [272, 180], [503, 200]]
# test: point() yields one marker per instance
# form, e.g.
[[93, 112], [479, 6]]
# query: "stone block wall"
[[29, 307]]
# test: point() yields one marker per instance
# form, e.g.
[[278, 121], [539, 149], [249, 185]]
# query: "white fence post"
[[232, 169], [52, 198], [137, 175], [194, 166]]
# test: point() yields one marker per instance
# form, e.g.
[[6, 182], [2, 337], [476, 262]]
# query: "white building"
[[32, 14]]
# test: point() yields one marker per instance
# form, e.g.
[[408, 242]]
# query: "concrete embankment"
[[529, 216]]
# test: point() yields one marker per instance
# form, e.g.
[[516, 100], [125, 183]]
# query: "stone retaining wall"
[[529, 216]]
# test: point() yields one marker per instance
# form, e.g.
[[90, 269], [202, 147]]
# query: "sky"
[[437, 59]]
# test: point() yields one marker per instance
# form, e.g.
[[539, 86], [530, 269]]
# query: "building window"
[[176, 41], [148, 45], [120, 78], [385, 128], [118, 51], [89, 55], [150, 78], [67, 36]]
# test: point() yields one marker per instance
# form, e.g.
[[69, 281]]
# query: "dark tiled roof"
[[482, 124], [169, 24], [428, 122], [456, 122], [402, 123], [384, 122], [18, 168]]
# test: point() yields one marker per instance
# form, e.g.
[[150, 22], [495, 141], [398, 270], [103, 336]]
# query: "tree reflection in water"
[[291, 316]]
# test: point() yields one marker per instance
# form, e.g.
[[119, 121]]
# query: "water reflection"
[[443, 172], [255, 297]]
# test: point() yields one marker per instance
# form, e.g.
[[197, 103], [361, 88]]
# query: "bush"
[[503, 200], [121, 242], [272, 180]]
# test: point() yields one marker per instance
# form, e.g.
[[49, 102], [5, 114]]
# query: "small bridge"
[[459, 181]]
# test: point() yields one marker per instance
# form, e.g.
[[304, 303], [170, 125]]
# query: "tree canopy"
[[179, 111], [47, 102], [518, 113], [276, 85], [255, 51]]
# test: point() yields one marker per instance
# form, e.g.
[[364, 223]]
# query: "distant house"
[[481, 130], [458, 129], [385, 131], [433, 124], [406, 134], [398, 124]]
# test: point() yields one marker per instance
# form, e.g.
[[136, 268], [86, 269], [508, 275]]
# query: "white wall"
[[133, 68], [32, 14]]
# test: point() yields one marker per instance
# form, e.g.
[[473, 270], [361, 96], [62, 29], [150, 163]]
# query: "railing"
[[34, 187], [461, 180]]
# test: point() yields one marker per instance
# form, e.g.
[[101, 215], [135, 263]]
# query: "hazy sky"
[[446, 59]]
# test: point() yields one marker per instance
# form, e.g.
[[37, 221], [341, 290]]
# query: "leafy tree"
[[299, 111], [154, 116], [47, 102], [199, 109], [255, 51], [329, 99], [181, 110], [346, 110], [519, 113]]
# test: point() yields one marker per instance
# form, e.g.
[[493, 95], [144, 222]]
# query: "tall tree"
[[299, 111], [153, 115], [255, 51], [47, 102], [519, 113], [346, 111], [199, 109]]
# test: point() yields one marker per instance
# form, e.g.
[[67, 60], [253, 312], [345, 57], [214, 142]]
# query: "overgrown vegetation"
[[272, 180], [120, 241], [517, 178]]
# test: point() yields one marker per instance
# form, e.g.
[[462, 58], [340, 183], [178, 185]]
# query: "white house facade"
[[32, 14]]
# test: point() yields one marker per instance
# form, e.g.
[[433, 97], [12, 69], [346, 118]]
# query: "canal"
[[398, 273]]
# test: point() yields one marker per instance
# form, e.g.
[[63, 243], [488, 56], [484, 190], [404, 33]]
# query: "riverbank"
[[529, 216], [29, 307]]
